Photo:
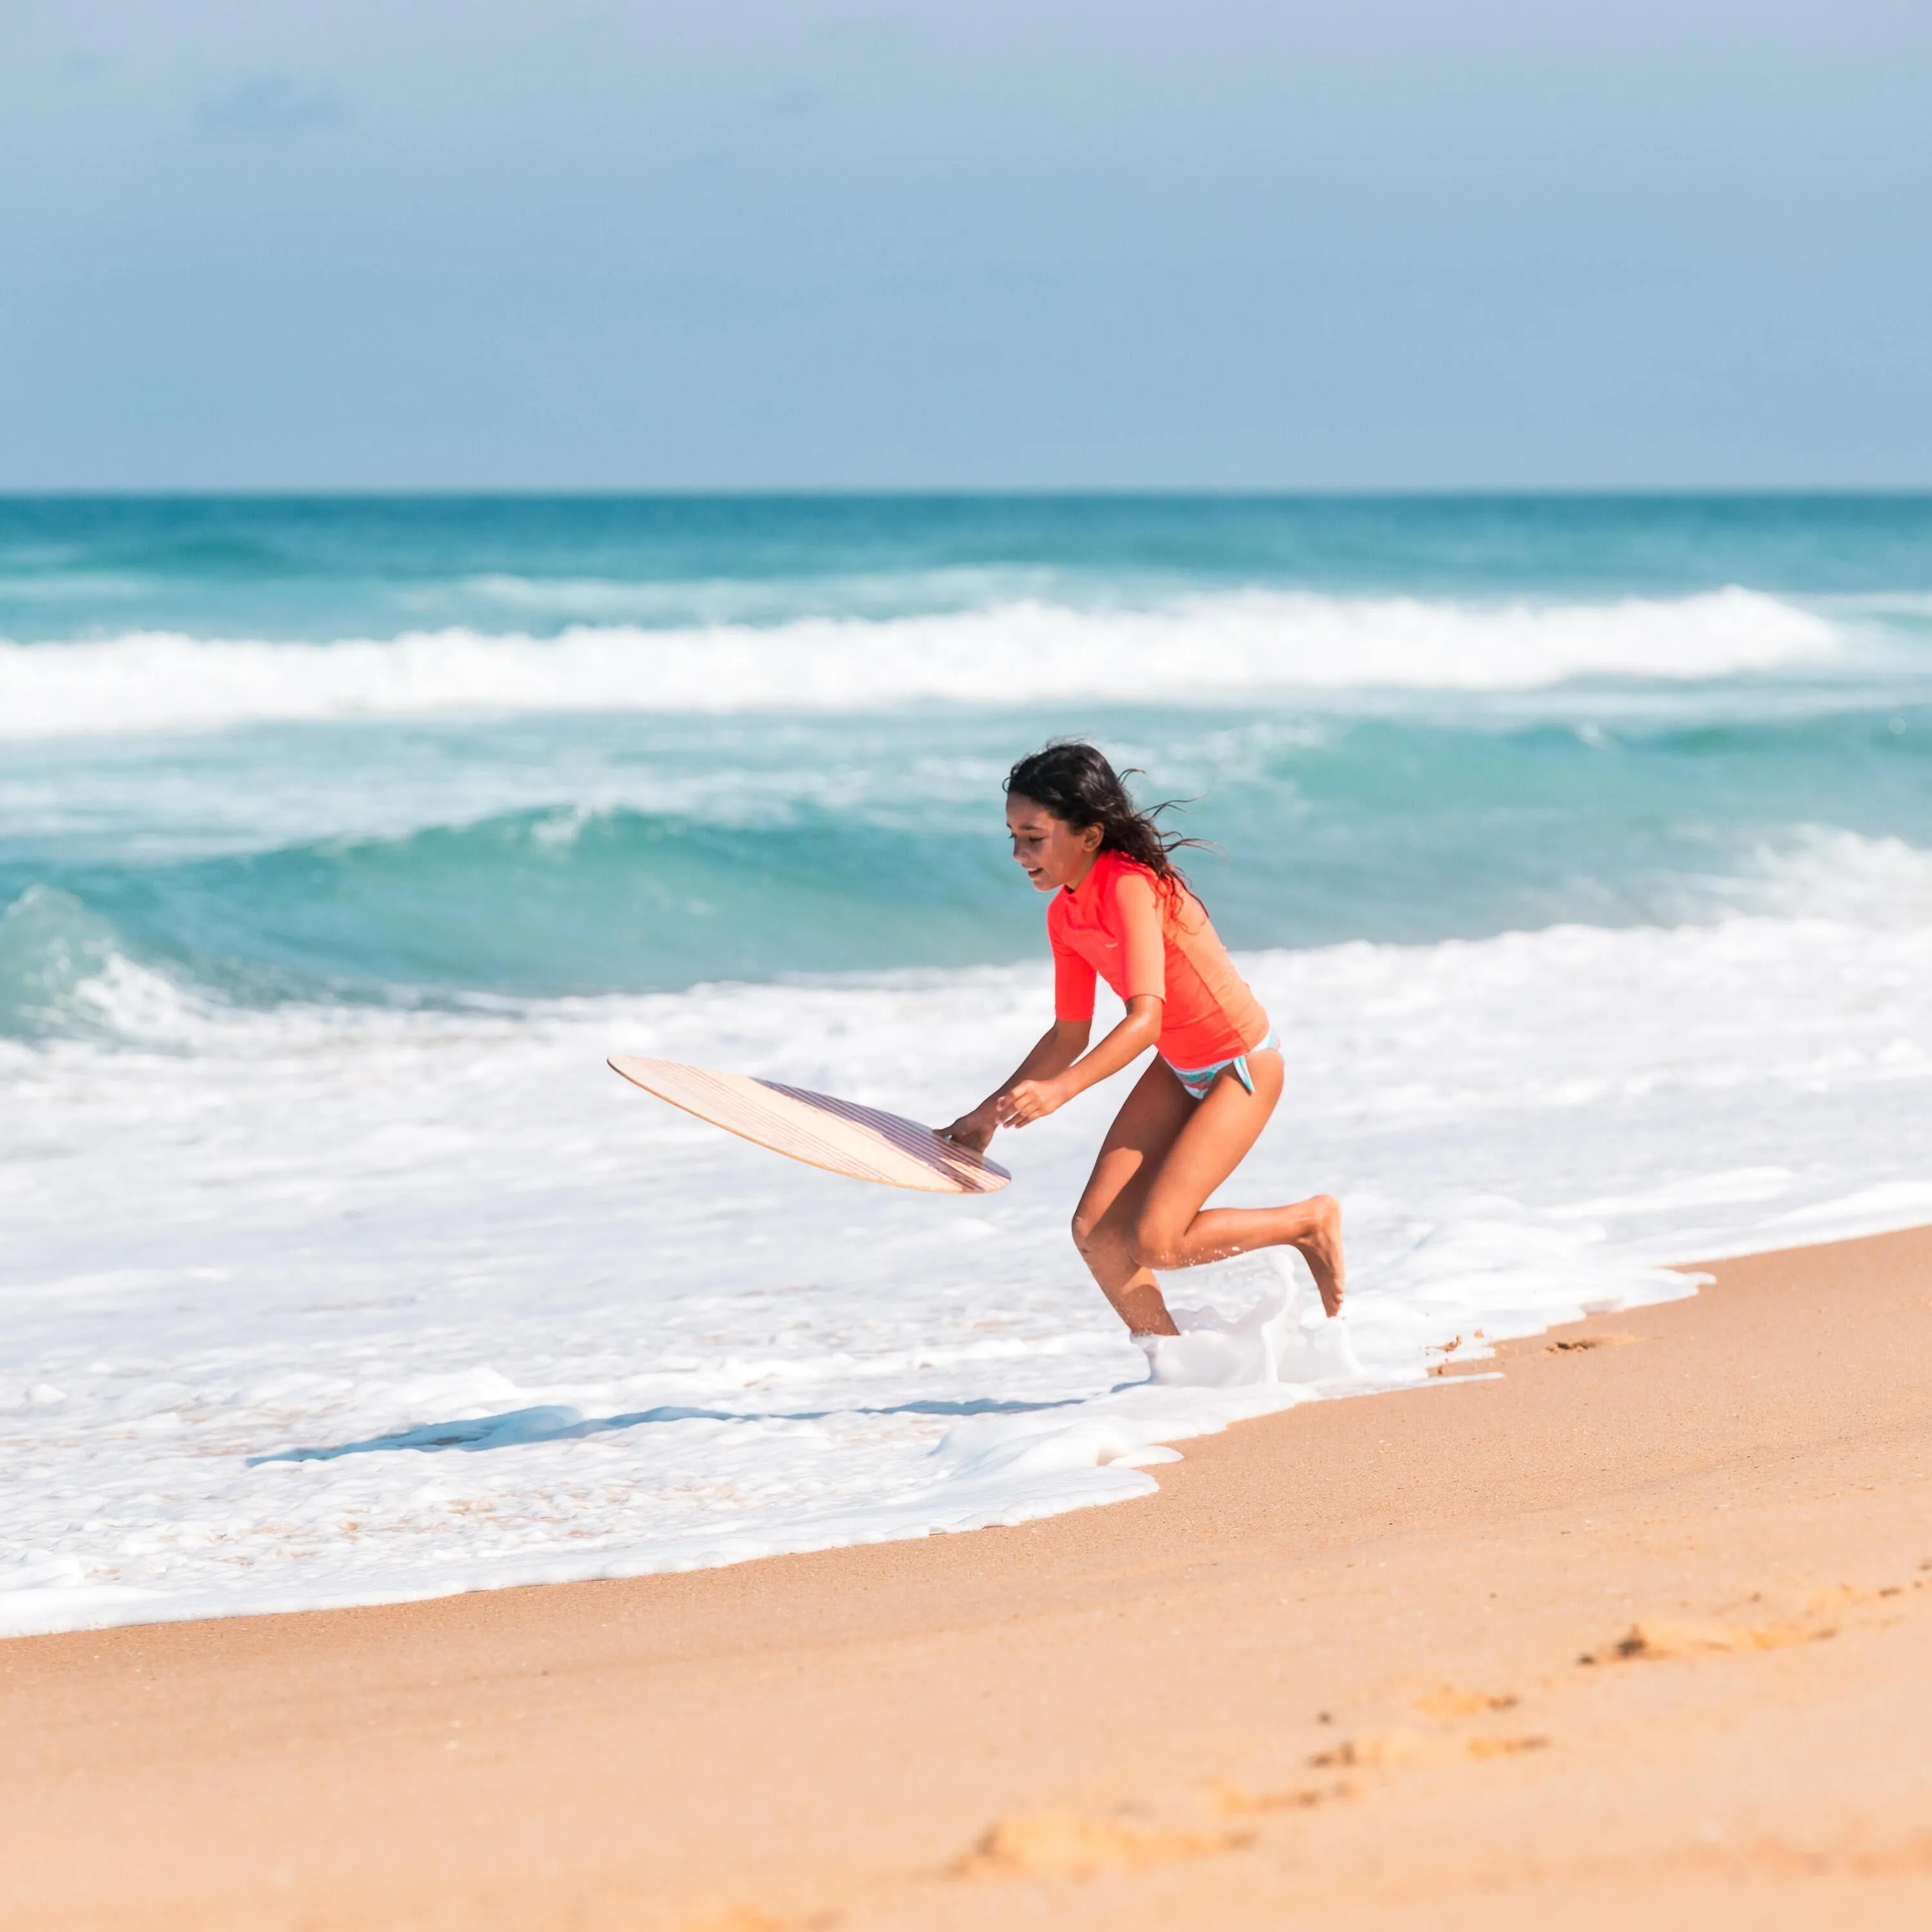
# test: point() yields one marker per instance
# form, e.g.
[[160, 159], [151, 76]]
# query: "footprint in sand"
[[1666, 1636], [1489, 1747], [1232, 1798], [1375, 1750], [1845, 1597], [1450, 1702], [1063, 1844], [1386, 1750]]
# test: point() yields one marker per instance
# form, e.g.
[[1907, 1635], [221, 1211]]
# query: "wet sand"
[[1638, 1631]]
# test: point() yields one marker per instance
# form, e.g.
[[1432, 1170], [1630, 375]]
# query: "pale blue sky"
[[1470, 243]]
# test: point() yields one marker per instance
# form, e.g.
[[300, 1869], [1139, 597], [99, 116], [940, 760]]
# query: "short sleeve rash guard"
[[1118, 925]]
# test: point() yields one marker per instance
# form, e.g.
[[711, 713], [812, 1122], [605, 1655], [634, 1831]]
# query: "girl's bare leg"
[[1162, 1157], [1137, 1143], [1172, 1230]]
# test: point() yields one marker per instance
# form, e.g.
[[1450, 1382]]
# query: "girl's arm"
[[1032, 1096], [1055, 1072], [1055, 1051]]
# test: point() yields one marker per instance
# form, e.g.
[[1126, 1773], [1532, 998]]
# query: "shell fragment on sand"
[[838, 1135]]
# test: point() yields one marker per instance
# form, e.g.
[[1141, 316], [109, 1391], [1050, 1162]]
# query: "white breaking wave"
[[1247, 644], [540, 1327], [1825, 872]]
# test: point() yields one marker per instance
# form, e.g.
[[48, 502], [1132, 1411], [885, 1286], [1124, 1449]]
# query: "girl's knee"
[[1156, 1246]]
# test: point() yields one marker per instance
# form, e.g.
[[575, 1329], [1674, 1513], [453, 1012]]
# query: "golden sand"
[[1633, 1635]]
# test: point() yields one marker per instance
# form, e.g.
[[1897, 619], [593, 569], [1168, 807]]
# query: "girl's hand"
[[973, 1131], [1029, 1100]]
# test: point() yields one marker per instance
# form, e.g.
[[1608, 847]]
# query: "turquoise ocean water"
[[1611, 711]]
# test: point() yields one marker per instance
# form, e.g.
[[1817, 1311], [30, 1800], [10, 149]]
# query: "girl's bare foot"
[[1322, 1250]]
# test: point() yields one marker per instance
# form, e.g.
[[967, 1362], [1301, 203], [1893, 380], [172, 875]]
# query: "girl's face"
[[1051, 852]]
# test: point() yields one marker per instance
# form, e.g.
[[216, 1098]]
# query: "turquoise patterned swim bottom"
[[1197, 1079]]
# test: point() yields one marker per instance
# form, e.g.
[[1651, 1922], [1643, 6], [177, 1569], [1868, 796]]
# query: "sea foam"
[[385, 1303], [1245, 642]]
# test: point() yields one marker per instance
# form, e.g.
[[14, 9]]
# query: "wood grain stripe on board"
[[971, 1173], [780, 1131]]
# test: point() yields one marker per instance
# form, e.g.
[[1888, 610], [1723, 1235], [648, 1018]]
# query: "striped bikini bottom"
[[1197, 1079]]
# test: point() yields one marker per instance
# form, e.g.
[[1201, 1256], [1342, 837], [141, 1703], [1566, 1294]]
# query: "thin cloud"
[[269, 105]]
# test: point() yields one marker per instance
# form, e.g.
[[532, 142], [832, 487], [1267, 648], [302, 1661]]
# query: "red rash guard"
[[1116, 923]]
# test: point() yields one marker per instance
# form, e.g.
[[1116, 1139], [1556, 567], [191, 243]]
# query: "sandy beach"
[[1636, 1619]]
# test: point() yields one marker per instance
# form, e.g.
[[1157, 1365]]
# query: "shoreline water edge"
[[1581, 852]]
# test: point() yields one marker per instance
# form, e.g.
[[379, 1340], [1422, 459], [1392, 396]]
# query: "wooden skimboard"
[[838, 1135]]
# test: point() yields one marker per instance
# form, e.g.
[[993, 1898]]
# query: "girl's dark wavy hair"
[[1073, 781]]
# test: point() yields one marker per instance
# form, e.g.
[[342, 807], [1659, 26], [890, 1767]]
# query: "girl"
[[1121, 910]]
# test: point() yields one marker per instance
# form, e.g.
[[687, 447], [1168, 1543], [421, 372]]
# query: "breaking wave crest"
[[1252, 643], [617, 901], [64, 973]]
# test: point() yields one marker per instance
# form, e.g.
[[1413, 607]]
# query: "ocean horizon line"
[[780, 494]]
